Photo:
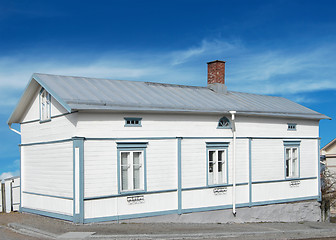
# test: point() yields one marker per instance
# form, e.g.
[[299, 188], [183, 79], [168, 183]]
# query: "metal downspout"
[[233, 163], [16, 131]]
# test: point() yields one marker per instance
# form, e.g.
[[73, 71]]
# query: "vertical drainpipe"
[[233, 163]]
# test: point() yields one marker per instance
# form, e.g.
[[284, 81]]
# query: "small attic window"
[[291, 127], [45, 106], [133, 122], [224, 122]]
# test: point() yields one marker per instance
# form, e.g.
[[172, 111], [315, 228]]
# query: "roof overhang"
[[139, 109]]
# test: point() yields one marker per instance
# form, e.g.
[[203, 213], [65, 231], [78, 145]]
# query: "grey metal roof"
[[82, 93]]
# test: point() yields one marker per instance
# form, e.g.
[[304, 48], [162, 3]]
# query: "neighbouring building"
[[99, 150], [328, 152]]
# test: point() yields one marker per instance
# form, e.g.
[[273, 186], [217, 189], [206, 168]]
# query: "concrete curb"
[[30, 231], [274, 234]]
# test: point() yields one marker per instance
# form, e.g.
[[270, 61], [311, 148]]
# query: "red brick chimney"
[[216, 72]]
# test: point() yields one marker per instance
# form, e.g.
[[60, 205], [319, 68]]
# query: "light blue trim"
[[47, 195], [217, 146], [307, 138], [250, 172], [213, 208], [132, 146], [129, 194], [291, 144], [123, 145], [284, 200], [52, 93], [179, 176], [46, 142], [130, 139], [284, 180], [132, 119], [291, 126], [78, 142], [166, 138], [224, 119], [319, 171], [48, 214], [129, 216], [49, 109], [212, 186]]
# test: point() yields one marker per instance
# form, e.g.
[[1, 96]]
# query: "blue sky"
[[281, 48]]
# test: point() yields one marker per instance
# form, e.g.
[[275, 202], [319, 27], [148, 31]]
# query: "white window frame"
[[292, 162], [216, 177], [45, 106], [131, 149]]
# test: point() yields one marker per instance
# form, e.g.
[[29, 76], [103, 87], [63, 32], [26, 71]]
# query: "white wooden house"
[[109, 149]]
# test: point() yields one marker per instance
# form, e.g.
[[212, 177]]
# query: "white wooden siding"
[[100, 168], [268, 159], [57, 129], [185, 125], [309, 158], [275, 127], [283, 190], [120, 206], [207, 198], [48, 169], [153, 125], [161, 165], [194, 164], [49, 204], [194, 161], [33, 111]]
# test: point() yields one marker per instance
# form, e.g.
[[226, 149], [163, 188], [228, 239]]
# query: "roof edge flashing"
[[51, 92]]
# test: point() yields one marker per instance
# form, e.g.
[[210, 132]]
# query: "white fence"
[[10, 195]]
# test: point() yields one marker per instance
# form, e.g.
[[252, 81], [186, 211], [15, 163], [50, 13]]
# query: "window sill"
[[44, 121], [292, 178], [130, 193], [132, 125], [219, 185]]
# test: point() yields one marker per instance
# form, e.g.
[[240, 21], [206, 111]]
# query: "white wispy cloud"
[[277, 72], [6, 175], [205, 48]]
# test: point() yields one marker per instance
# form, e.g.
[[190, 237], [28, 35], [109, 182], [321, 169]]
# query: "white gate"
[[10, 195], [16, 194]]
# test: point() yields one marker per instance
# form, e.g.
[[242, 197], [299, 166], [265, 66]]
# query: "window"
[[224, 123], [217, 163], [291, 127], [45, 109], [132, 167], [292, 159], [133, 122]]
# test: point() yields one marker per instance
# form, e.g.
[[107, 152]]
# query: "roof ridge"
[[121, 80]]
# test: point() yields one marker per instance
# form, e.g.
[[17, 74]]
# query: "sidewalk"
[[49, 228]]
